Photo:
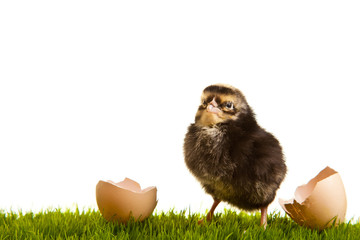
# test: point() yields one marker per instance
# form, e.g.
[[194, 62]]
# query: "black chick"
[[234, 159]]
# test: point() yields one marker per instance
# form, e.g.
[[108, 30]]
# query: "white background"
[[94, 90]]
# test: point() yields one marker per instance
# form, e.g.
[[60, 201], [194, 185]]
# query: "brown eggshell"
[[119, 201], [320, 203]]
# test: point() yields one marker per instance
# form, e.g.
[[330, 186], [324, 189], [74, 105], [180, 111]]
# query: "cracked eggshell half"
[[320, 203], [119, 201]]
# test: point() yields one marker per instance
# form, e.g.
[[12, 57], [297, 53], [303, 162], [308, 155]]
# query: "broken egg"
[[120, 201], [320, 203]]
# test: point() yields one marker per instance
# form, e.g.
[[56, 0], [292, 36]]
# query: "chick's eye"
[[229, 105]]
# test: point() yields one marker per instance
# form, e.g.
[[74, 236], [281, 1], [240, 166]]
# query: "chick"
[[234, 159]]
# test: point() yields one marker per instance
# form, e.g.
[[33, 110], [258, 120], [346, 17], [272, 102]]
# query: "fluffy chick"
[[234, 159]]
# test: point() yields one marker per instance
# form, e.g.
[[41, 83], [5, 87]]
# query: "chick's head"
[[220, 103]]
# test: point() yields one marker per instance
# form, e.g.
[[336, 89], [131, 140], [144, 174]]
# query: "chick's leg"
[[263, 221], [211, 212]]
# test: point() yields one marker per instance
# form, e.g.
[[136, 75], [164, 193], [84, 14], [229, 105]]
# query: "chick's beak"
[[213, 107]]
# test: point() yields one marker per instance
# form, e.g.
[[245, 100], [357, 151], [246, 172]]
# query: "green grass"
[[58, 224]]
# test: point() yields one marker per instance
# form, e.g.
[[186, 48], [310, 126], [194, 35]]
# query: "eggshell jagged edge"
[[131, 185], [318, 194]]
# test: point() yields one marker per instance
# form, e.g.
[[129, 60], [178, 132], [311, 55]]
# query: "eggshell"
[[320, 203], [119, 201]]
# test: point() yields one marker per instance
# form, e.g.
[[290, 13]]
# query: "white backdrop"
[[94, 90]]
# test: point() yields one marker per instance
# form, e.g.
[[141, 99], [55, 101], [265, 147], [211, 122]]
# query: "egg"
[[320, 203], [118, 202]]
